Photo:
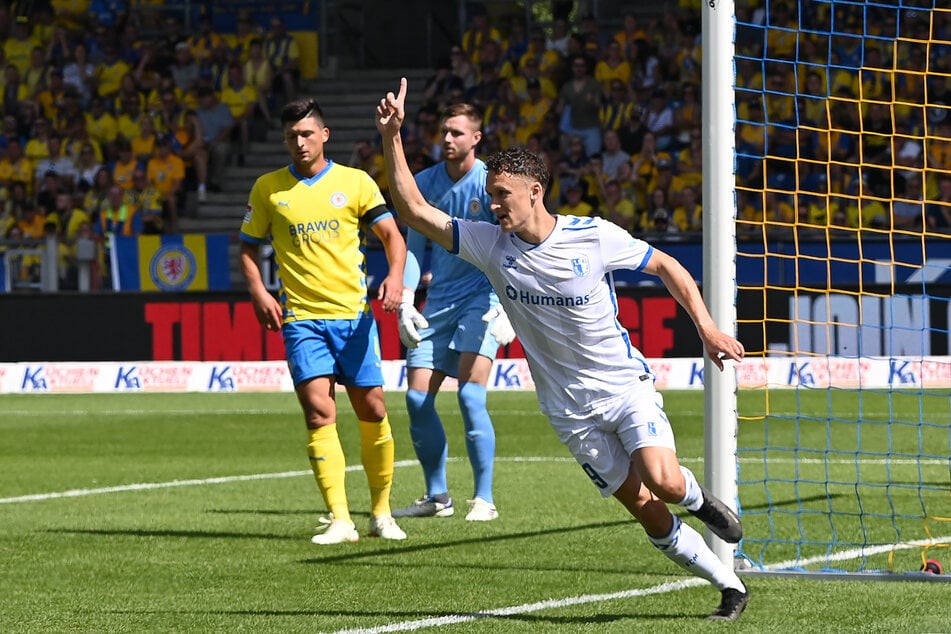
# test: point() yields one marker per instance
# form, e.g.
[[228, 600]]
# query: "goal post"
[[827, 246], [719, 252]]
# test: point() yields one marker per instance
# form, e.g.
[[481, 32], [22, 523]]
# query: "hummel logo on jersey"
[[283, 203], [580, 266], [509, 262]]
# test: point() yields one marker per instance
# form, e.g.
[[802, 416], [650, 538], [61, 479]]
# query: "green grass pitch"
[[193, 513]]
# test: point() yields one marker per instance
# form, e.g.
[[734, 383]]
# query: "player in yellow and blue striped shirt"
[[316, 213]]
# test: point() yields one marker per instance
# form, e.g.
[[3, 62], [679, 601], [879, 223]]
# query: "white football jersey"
[[560, 298]]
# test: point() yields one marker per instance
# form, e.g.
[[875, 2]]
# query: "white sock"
[[685, 547], [693, 499]]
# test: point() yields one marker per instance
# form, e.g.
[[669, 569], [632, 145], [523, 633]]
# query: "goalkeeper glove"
[[410, 320], [502, 328]]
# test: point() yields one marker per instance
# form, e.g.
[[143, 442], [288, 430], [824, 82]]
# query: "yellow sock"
[[330, 469], [377, 453]]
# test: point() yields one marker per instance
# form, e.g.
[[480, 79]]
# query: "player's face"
[[305, 141], [460, 136], [511, 199]]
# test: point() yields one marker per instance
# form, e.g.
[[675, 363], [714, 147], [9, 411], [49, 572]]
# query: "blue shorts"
[[453, 329], [347, 349]]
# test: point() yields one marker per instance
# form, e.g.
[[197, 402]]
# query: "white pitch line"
[[674, 586], [147, 486], [455, 619]]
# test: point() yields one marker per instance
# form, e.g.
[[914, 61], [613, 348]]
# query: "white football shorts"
[[603, 442]]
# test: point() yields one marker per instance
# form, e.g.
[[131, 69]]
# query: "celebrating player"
[[459, 330], [316, 212], [553, 276]]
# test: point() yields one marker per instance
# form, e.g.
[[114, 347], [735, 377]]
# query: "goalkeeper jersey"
[[561, 300], [317, 228], [453, 279]]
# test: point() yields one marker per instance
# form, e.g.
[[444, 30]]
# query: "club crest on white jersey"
[[580, 266]]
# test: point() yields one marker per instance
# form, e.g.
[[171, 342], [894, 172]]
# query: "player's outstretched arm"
[[717, 344], [409, 201]]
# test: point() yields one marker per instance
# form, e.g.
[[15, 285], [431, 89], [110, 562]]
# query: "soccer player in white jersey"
[[459, 330], [553, 277]]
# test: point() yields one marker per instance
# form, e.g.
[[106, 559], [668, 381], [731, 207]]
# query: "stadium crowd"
[[104, 130]]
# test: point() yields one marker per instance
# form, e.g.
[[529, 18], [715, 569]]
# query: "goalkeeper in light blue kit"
[[459, 330], [554, 275]]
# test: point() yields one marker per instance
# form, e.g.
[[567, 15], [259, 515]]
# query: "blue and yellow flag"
[[188, 262]]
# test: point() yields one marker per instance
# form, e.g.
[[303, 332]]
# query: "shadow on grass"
[[392, 547], [408, 616], [168, 533], [481, 539]]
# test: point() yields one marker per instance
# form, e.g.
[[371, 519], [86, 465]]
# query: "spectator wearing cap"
[[656, 217], [660, 222], [579, 105], [184, 69], [166, 173], [518, 83], [109, 72]]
